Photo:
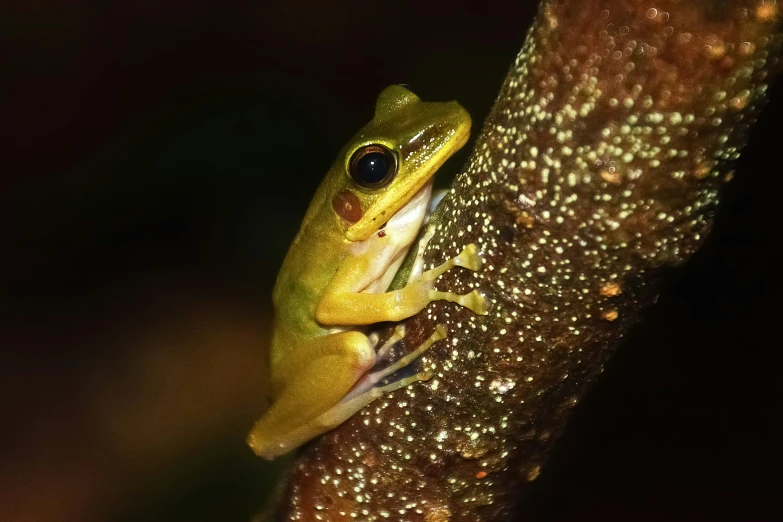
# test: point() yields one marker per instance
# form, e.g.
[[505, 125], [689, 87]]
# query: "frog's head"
[[393, 158]]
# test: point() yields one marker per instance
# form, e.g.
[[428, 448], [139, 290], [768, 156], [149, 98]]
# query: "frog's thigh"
[[340, 360]]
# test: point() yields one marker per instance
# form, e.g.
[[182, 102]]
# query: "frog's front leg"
[[341, 304]]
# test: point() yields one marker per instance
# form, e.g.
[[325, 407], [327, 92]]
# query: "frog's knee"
[[358, 351]]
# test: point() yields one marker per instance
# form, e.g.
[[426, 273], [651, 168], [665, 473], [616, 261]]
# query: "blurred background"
[[157, 159]]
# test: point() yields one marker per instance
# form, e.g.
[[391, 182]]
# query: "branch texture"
[[598, 168]]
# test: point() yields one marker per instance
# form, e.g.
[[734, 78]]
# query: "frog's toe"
[[426, 375], [440, 332], [469, 258], [399, 331], [476, 302]]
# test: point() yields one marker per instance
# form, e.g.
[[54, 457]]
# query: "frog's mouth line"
[[411, 209], [421, 188]]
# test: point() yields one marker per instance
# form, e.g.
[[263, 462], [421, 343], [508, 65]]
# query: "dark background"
[[157, 158]]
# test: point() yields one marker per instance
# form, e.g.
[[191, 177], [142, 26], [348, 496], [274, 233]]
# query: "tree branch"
[[598, 168]]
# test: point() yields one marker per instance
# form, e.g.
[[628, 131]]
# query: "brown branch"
[[599, 166]]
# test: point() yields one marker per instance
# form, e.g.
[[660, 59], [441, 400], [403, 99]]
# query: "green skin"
[[334, 278]]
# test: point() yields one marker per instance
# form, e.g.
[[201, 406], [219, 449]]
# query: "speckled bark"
[[598, 168]]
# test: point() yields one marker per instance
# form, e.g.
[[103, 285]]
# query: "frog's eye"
[[373, 166]]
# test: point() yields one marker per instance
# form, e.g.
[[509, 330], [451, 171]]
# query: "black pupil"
[[372, 168]]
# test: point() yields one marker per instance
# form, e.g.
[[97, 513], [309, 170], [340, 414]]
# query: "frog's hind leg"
[[322, 394], [367, 383], [346, 409], [365, 392], [313, 386]]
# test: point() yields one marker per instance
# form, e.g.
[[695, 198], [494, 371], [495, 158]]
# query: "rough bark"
[[598, 169]]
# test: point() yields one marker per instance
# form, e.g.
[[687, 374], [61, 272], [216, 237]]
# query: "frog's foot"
[[469, 259], [366, 384], [347, 408]]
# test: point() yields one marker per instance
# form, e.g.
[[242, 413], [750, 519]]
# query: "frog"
[[334, 281]]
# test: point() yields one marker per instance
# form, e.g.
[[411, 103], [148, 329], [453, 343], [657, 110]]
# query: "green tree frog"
[[333, 284]]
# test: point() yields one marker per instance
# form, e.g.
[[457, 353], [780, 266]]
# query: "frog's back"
[[309, 265]]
